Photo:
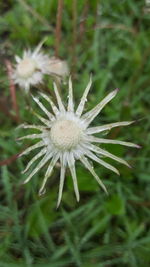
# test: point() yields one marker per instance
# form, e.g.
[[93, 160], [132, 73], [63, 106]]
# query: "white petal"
[[90, 168], [29, 149], [62, 177], [108, 154], [38, 167], [26, 53], [33, 126], [32, 136], [49, 115], [70, 97], [40, 154], [71, 164], [45, 121], [26, 85], [89, 116], [93, 130], [48, 173], [111, 141], [37, 49], [54, 108], [84, 98], [102, 162], [18, 59], [60, 104]]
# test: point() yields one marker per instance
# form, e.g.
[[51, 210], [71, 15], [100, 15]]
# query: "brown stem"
[[12, 89], [11, 159], [5, 109], [82, 25], [74, 35], [58, 26]]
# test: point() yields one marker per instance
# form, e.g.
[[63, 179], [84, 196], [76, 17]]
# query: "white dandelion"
[[30, 69], [65, 136]]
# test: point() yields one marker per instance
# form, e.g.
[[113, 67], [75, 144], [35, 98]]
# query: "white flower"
[[67, 137], [30, 69], [58, 67]]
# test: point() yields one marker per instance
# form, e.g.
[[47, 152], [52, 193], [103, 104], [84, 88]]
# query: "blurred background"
[[111, 40]]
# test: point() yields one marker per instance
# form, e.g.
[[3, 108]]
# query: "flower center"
[[26, 68], [65, 134]]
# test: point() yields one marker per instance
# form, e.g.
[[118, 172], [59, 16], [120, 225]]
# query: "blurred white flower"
[[30, 69], [67, 137], [58, 67]]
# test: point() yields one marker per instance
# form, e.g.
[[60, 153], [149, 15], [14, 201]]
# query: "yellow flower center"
[[65, 134], [26, 68]]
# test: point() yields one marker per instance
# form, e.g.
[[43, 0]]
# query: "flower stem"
[[12, 89], [58, 26]]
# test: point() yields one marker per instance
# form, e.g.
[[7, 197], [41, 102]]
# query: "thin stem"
[[10, 159], [12, 89], [58, 26], [74, 34], [82, 25], [35, 14]]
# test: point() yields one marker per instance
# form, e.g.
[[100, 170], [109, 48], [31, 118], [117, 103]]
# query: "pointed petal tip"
[[118, 173], [18, 139], [17, 58], [39, 46], [140, 119], [105, 190], [129, 166], [134, 121], [116, 91], [91, 77], [19, 156], [25, 182], [57, 206], [21, 126], [78, 199], [35, 98], [42, 191], [107, 193], [103, 187], [138, 146]]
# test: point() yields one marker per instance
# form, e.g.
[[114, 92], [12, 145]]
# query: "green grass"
[[113, 40]]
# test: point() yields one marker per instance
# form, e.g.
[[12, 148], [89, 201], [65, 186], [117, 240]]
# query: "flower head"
[[30, 69], [65, 136]]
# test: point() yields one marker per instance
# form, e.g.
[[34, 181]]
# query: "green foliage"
[[115, 205], [113, 40]]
